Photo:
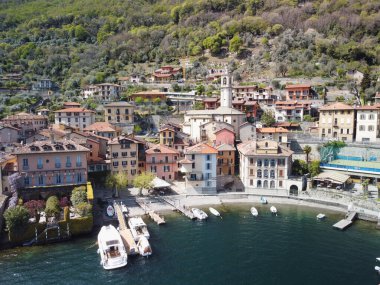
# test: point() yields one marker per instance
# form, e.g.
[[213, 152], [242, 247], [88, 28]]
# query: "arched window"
[[272, 184], [266, 162], [258, 183], [259, 163], [265, 183], [259, 173], [266, 144], [266, 173], [272, 163], [224, 80], [272, 174]]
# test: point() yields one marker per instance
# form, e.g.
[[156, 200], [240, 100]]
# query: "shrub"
[[84, 209], [52, 206], [64, 202], [16, 218], [78, 196], [35, 207]]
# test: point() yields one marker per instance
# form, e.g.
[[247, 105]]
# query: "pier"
[[125, 233], [152, 214], [184, 210], [346, 222]]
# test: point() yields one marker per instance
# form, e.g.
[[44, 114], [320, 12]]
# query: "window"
[[272, 163], [166, 168], [265, 183], [26, 181], [115, 154], [370, 128], [251, 182], [193, 156], [258, 183], [272, 184], [133, 162], [153, 160], [109, 118], [79, 177], [208, 166], [124, 163], [251, 172], [259, 162], [348, 131], [124, 154], [68, 178], [272, 175], [166, 159], [40, 180], [68, 161], [193, 165], [39, 163], [133, 171], [25, 163], [259, 173], [281, 161], [279, 183], [109, 111], [266, 162], [115, 164], [79, 161], [126, 111], [362, 117], [57, 162], [58, 178], [208, 157], [153, 169], [281, 173], [266, 173], [371, 116], [361, 128]]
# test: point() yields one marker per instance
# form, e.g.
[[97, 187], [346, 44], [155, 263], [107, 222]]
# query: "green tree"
[[268, 119], [139, 100], [80, 33], [235, 43], [314, 168], [299, 167], [137, 129], [78, 196], [117, 181], [157, 101], [84, 209], [365, 184], [307, 150], [143, 181], [16, 218], [198, 105], [52, 207], [308, 118], [200, 89], [366, 81]]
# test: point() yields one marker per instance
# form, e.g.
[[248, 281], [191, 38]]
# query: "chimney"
[[52, 136]]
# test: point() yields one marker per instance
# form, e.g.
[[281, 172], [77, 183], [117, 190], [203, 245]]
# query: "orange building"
[[226, 159], [298, 92]]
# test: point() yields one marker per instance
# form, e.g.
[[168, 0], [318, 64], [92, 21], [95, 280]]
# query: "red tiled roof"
[[294, 86], [272, 130], [160, 148], [201, 148], [100, 127], [336, 106], [74, 110]]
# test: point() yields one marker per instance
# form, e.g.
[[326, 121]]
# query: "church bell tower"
[[226, 91]]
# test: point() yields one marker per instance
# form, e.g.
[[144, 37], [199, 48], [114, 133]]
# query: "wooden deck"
[[185, 211], [152, 214], [126, 235], [346, 222]]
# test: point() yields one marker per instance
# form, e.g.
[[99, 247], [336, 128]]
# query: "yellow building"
[[118, 113], [337, 121]]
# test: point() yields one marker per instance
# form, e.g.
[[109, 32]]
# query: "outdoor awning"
[[159, 183], [333, 177]]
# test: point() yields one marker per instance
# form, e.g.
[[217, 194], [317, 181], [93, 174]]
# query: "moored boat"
[[144, 246], [377, 268], [321, 216], [254, 212], [111, 248], [199, 214], [263, 200], [110, 211], [273, 210], [138, 228], [214, 212]]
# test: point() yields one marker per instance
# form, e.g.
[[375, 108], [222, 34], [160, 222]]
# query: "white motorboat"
[[199, 214], [111, 248], [254, 212], [144, 246], [378, 258], [124, 208], [214, 212], [377, 268], [263, 200], [321, 216], [273, 210], [138, 228]]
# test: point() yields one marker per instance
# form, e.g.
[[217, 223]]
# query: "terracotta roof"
[[272, 130], [162, 75], [116, 140], [6, 126], [336, 106], [71, 103], [293, 86], [211, 100], [286, 124], [369, 107], [225, 129], [74, 110], [56, 146], [151, 92], [100, 127], [160, 148], [225, 147], [185, 161], [251, 103], [201, 148], [25, 116]]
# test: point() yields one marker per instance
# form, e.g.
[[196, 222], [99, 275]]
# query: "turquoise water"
[[291, 248]]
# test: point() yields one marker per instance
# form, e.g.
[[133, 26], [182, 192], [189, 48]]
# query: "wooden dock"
[[152, 214], [346, 222], [126, 235], [184, 210]]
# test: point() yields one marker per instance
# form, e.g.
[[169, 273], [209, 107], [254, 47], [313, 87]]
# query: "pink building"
[[162, 161], [224, 136], [52, 163]]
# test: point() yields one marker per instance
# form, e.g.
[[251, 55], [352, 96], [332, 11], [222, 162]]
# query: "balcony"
[[79, 164], [25, 167], [57, 165], [68, 164], [40, 166]]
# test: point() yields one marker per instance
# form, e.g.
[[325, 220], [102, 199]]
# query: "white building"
[[264, 164], [368, 124], [247, 132], [199, 166], [75, 117], [194, 119]]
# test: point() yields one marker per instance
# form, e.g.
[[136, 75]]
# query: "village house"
[[210, 129], [247, 132], [9, 134], [292, 110], [119, 113], [105, 92], [162, 161], [28, 124], [8, 166], [149, 95], [264, 164], [337, 121], [279, 135], [103, 129], [254, 93], [299, 92], [166, 73], [52, 164], [75, 117], [172, 136], [123, 154], [226, 159], [368, 123], [200, 168]]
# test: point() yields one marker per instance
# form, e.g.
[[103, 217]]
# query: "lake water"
[[288, 249]]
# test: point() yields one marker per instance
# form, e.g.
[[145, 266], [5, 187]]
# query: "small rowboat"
[[254, 212], [263, 200], [377, 268], [110, 211], [273, 210], [214, 212]]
